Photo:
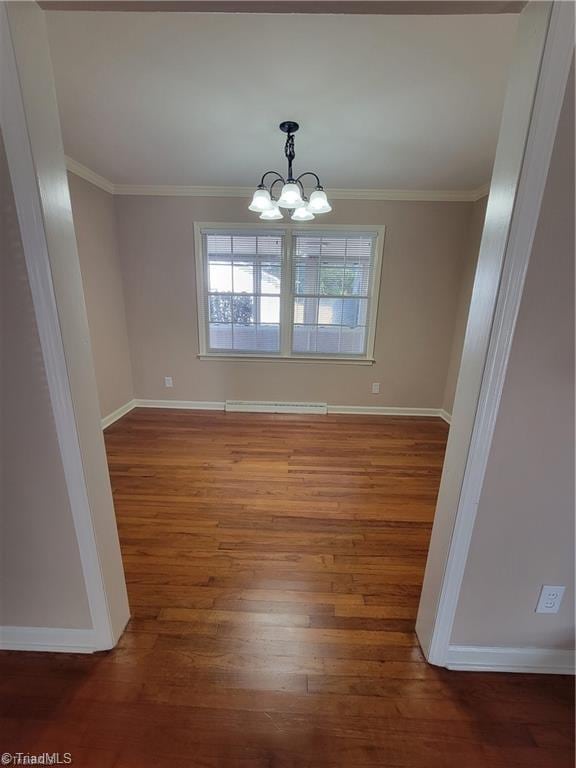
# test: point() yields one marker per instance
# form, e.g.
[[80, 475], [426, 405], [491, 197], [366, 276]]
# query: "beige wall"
[[423, 251], [95, 225], [41, 582], [524, 533], [465, 293]]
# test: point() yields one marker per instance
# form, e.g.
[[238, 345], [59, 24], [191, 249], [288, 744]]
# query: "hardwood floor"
[[274, 565]]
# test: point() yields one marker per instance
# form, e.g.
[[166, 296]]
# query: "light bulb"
[[260, 201], [290, 197], [272, 214], [302, 214], [319, 202]]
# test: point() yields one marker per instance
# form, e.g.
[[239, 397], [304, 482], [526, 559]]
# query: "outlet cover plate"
[[550, 599]]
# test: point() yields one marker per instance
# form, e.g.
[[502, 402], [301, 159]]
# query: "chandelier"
[[292, 194]]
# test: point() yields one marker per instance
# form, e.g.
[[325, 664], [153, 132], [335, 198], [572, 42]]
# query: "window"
[[243, 291], [331, 289], [284, 292]]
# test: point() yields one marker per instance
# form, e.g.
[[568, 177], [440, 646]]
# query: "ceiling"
[[384, 102]]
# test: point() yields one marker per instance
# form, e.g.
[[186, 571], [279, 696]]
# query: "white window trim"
[[287, 307]]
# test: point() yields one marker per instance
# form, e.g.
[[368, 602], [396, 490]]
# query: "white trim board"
[[89, 175], [118, 413], [546, 661], [445, 415], [239, 358], [51, 639], [171, 190], [192, 405], [258, 407], [384, 410]]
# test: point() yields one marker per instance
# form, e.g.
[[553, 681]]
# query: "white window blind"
[[288, 292], [332, 279], [243, 278]]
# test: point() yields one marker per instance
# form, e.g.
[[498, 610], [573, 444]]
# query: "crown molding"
[[169, 190], [378, 7], [480, 192], [89, 175], [439, 195]]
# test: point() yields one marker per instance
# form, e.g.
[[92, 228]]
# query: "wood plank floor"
[[274, 565]]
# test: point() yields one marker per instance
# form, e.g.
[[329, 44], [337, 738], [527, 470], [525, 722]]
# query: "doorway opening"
[[273, 561]]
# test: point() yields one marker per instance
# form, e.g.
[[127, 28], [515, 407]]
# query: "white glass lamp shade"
[[302, 214], [260, 201], [290, 197], [272, 214], [319, 202]]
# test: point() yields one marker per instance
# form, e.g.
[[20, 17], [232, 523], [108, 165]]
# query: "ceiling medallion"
[[292, 194]]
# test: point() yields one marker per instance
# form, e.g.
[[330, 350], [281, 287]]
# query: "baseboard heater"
[[257, 406]]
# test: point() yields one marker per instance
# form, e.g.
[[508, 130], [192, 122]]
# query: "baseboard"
[[383, 410], [445, 415], [257, 406], [50, 639], [547, 661], [190, 405], [118, 413]]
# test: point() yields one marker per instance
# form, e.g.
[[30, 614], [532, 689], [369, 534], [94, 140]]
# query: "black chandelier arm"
[[279, 177], [309, 173], [279, 180]]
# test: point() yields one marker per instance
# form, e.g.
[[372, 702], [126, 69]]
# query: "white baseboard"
[[445, 415], [118, 413], [190, 405], [50, 639], [383, 410], [261, 407], [548, 661]]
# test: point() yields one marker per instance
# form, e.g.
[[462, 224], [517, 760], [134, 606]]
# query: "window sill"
[[291, 359]]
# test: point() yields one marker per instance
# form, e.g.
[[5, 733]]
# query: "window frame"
[[286, 292]]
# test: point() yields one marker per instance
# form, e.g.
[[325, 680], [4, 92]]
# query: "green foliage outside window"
[[228, 309]]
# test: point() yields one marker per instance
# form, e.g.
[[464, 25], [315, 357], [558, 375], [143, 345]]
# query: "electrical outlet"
[[376, 388], [550, 599], [168, 382]]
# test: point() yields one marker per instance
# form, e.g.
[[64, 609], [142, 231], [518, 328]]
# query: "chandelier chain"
[[290, 153]]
